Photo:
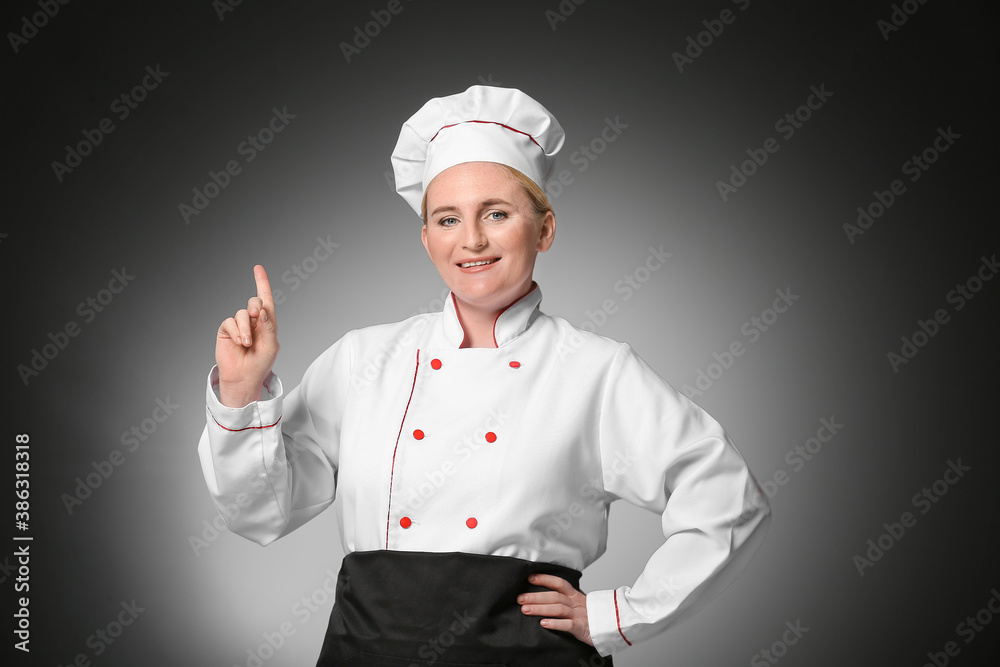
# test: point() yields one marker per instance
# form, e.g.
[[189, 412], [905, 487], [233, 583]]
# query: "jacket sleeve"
[[271, 465], [662, 452]]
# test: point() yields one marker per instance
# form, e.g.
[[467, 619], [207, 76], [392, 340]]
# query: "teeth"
[[480, 263]]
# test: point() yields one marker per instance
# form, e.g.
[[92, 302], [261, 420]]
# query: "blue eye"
[[492, 215], [447, 222]]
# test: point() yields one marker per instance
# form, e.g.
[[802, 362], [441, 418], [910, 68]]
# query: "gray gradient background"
[[325, 175]]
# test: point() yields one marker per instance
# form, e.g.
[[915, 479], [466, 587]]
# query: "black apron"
[[415, 608]]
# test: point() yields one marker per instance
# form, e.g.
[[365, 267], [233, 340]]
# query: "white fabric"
[[482, 124], [581, 422]]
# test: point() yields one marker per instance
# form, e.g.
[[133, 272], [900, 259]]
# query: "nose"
[[475, 235]]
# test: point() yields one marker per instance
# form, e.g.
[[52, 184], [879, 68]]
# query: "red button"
[[491, 437], [405, 522], [435, 364], [471, 522], [515, 364], [418, 434]]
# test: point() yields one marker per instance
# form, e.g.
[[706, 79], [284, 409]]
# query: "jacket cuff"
[[603, 618], [264, 413]]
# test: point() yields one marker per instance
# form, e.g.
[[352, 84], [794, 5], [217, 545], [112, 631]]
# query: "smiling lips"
[[478, 265]]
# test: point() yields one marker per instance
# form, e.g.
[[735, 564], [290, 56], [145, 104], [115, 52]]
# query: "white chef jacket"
[[516, 450]]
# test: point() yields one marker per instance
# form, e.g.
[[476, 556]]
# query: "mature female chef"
[[477, 466]]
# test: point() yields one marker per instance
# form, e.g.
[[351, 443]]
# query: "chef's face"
[[477, 212]]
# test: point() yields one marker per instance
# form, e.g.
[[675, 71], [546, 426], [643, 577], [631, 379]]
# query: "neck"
[[478, 321]]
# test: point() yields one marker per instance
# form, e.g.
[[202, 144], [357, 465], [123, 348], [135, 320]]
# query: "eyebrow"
[[482, 204]]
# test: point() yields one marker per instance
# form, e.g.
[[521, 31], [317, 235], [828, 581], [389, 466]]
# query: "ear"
[[547, 232], [423, 239]]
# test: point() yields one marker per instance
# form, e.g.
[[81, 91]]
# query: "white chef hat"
[[483, 124]]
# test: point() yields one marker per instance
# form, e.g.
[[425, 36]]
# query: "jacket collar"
[[510, 323]]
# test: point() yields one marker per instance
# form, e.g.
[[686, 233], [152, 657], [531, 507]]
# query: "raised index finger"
[[264, 288]]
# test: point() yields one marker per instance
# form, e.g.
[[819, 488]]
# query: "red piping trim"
[[458, 317], [619, 620], [491, 122], [245, 428], [534, 286], [393, 469]]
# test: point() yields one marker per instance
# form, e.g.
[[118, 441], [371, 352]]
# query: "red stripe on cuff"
[[245, 428], [619, 620]]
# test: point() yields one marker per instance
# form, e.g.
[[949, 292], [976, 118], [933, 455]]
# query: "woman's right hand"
[[246, 346]]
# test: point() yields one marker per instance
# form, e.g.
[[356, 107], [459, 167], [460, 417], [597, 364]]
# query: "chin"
[[480, 294], [476, 296]]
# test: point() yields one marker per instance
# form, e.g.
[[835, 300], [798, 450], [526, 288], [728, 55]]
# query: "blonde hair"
[[535, 194]]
